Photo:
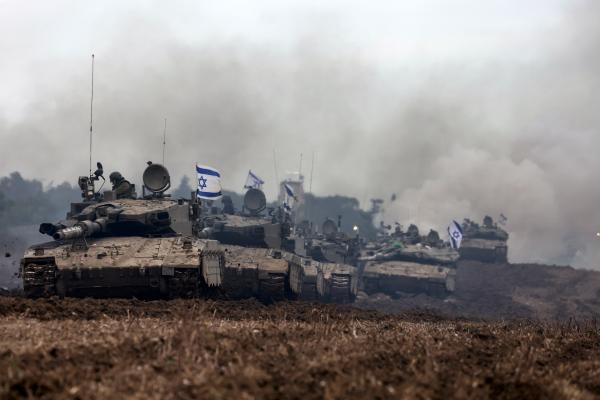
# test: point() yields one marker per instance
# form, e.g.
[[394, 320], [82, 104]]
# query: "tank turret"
[[250, 228], [124, 247], [484, 243], [411, 263]]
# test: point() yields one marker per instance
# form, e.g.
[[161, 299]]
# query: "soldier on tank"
[[488, 222], [433, 239], [122, 187], [412, 234], [398, 232]]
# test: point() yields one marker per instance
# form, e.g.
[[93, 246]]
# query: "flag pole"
[[164, 144]]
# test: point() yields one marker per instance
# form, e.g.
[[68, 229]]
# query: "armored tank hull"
[[326, 282], [484, 243], [255, 272], [303, 277], [395, 277], [337, 283], [123, 267], [484, 250], [410, 268]]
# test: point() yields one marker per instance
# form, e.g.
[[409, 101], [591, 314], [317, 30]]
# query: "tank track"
[[272, 288], [39, 280], [184, 283]]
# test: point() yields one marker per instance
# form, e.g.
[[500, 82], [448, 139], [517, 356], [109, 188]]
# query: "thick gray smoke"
[[519, 140], [451, 141]]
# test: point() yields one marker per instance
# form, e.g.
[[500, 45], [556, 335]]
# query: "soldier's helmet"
[[412, 230], [115, 177], [433, 237], [488, 222]]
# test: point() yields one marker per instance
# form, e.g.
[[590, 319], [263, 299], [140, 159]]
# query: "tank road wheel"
[[272, 288], [39, 280]]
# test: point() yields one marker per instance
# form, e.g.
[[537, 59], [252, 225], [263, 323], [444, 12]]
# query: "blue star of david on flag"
[[202, 182], [209, 183], [456, 234]]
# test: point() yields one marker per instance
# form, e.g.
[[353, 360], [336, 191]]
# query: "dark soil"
[[507, 291], [183, 349]]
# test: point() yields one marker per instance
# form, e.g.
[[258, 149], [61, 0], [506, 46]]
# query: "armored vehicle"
[[255, 272], [327, 282], [332, 245], [250, 228], [327, 259], [410, 264], [124, 247], [264, 260], [484, 243]]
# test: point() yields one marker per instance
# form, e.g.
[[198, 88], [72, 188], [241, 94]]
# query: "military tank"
[[255, 272], [410, 263], [484, 243], [109, 247], [321, 281], [249, 228], [332, 245], [265, 260]]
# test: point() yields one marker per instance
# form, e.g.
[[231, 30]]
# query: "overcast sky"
[[39, 37], [461, 108]]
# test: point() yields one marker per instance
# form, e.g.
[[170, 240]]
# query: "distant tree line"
[[26, 202]]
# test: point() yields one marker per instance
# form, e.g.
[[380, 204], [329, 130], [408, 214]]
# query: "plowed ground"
[[507, 291], [182, 349]]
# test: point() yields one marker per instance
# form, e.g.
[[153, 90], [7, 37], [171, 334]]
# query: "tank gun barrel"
[[81, 229]]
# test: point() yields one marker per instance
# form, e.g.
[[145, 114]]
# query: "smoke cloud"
[[451, 141]]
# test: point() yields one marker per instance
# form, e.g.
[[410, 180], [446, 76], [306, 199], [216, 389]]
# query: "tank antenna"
[[164, 141], [309, 205], [300, 167], [91, 114], [312, 167], [275, 166]]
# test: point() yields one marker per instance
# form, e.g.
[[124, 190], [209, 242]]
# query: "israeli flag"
[[503, 219], [456, 234], [288, 202], [209, 183], [289, 190], [253, 181]]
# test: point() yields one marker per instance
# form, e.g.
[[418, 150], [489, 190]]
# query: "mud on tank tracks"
[[83, 348]]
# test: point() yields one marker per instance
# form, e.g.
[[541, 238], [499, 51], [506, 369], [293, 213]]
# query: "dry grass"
[[204, 349]]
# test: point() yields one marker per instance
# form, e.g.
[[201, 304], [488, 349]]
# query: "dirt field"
[[508, 291], [206, 349]]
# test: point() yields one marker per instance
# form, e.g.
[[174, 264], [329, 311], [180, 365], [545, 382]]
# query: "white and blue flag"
[[290, 196], [503, 219], [456, 234], [289, 190], [253, 181], [209, 183]]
